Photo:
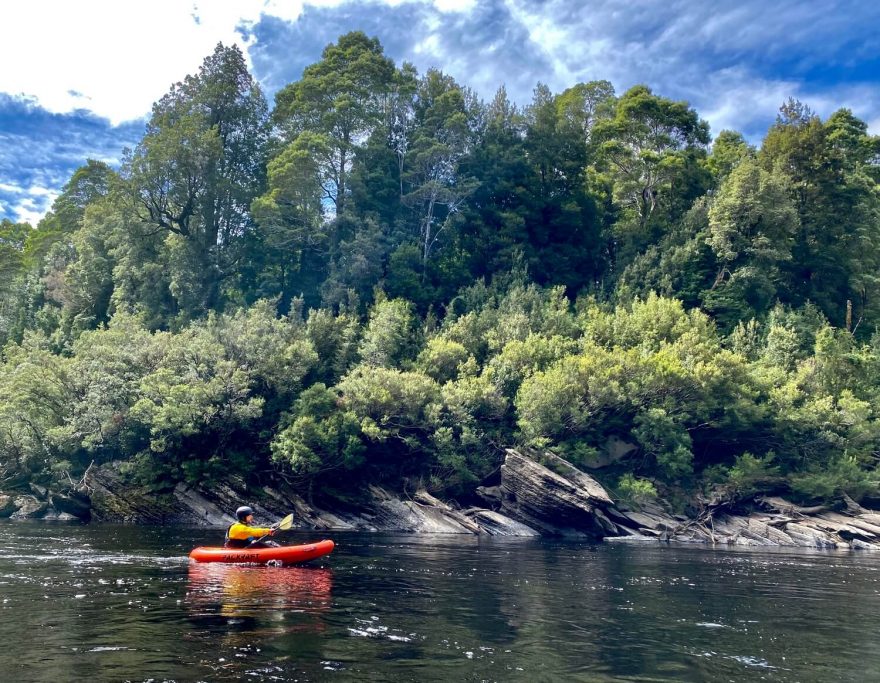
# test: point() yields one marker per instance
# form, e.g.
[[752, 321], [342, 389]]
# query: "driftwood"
[[83, 484], [782, 505]]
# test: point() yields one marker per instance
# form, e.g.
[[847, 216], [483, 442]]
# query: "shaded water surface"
[[109, 603]]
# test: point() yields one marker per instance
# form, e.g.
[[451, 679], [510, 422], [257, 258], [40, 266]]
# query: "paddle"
[[283, 525]]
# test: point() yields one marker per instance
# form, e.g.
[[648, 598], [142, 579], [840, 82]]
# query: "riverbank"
[[535, 495]]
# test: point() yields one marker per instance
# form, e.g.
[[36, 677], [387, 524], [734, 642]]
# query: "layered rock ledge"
[[536, 494]]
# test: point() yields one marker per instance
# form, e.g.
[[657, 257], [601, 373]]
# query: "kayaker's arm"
[[243, 532], [283, 525]]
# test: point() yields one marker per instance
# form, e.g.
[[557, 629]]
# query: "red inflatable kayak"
[[287, 554]]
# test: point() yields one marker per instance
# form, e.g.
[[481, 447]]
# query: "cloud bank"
[[86, 73]]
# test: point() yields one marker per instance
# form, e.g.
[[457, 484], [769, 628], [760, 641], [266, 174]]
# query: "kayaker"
[[242, 535]]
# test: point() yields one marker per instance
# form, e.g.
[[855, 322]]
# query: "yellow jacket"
[[243, 532]]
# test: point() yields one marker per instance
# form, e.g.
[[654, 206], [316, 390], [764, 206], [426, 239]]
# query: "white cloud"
[[28, 211], [116, 58], [26, 204], [455, 5]]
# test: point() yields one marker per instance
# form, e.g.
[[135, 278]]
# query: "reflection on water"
[[248, 604], [110, 603], [239, 591]]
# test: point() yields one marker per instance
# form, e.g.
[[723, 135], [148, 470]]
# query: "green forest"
[[384, 279]]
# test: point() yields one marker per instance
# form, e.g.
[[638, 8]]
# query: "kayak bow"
[[286, 554]]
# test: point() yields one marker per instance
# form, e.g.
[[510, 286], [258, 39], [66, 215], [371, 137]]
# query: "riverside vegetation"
[[385, 280]]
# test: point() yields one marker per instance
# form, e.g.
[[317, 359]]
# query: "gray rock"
[[631, 538], [55, 516], [553, 502], [490, 495], [200, 510], [856, 544], [655, 522], [40, 492], [496, 524], [115, 501], [808, 536], [424, 514], [29, 508], [75, 505], [7, 506], [865, 525], [768, 533]]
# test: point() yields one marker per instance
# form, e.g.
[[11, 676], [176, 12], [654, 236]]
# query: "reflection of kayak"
[[287, 554], [300, 585], [254, 595]]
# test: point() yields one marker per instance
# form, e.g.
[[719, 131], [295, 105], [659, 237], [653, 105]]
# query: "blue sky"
[[79, 78]]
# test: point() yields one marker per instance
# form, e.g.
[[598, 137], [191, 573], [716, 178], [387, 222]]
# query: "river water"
[[113, 603]]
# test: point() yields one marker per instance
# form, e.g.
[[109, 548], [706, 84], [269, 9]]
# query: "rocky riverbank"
[[536, 494]]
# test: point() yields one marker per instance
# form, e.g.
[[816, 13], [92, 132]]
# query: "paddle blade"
[[285, 523]]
